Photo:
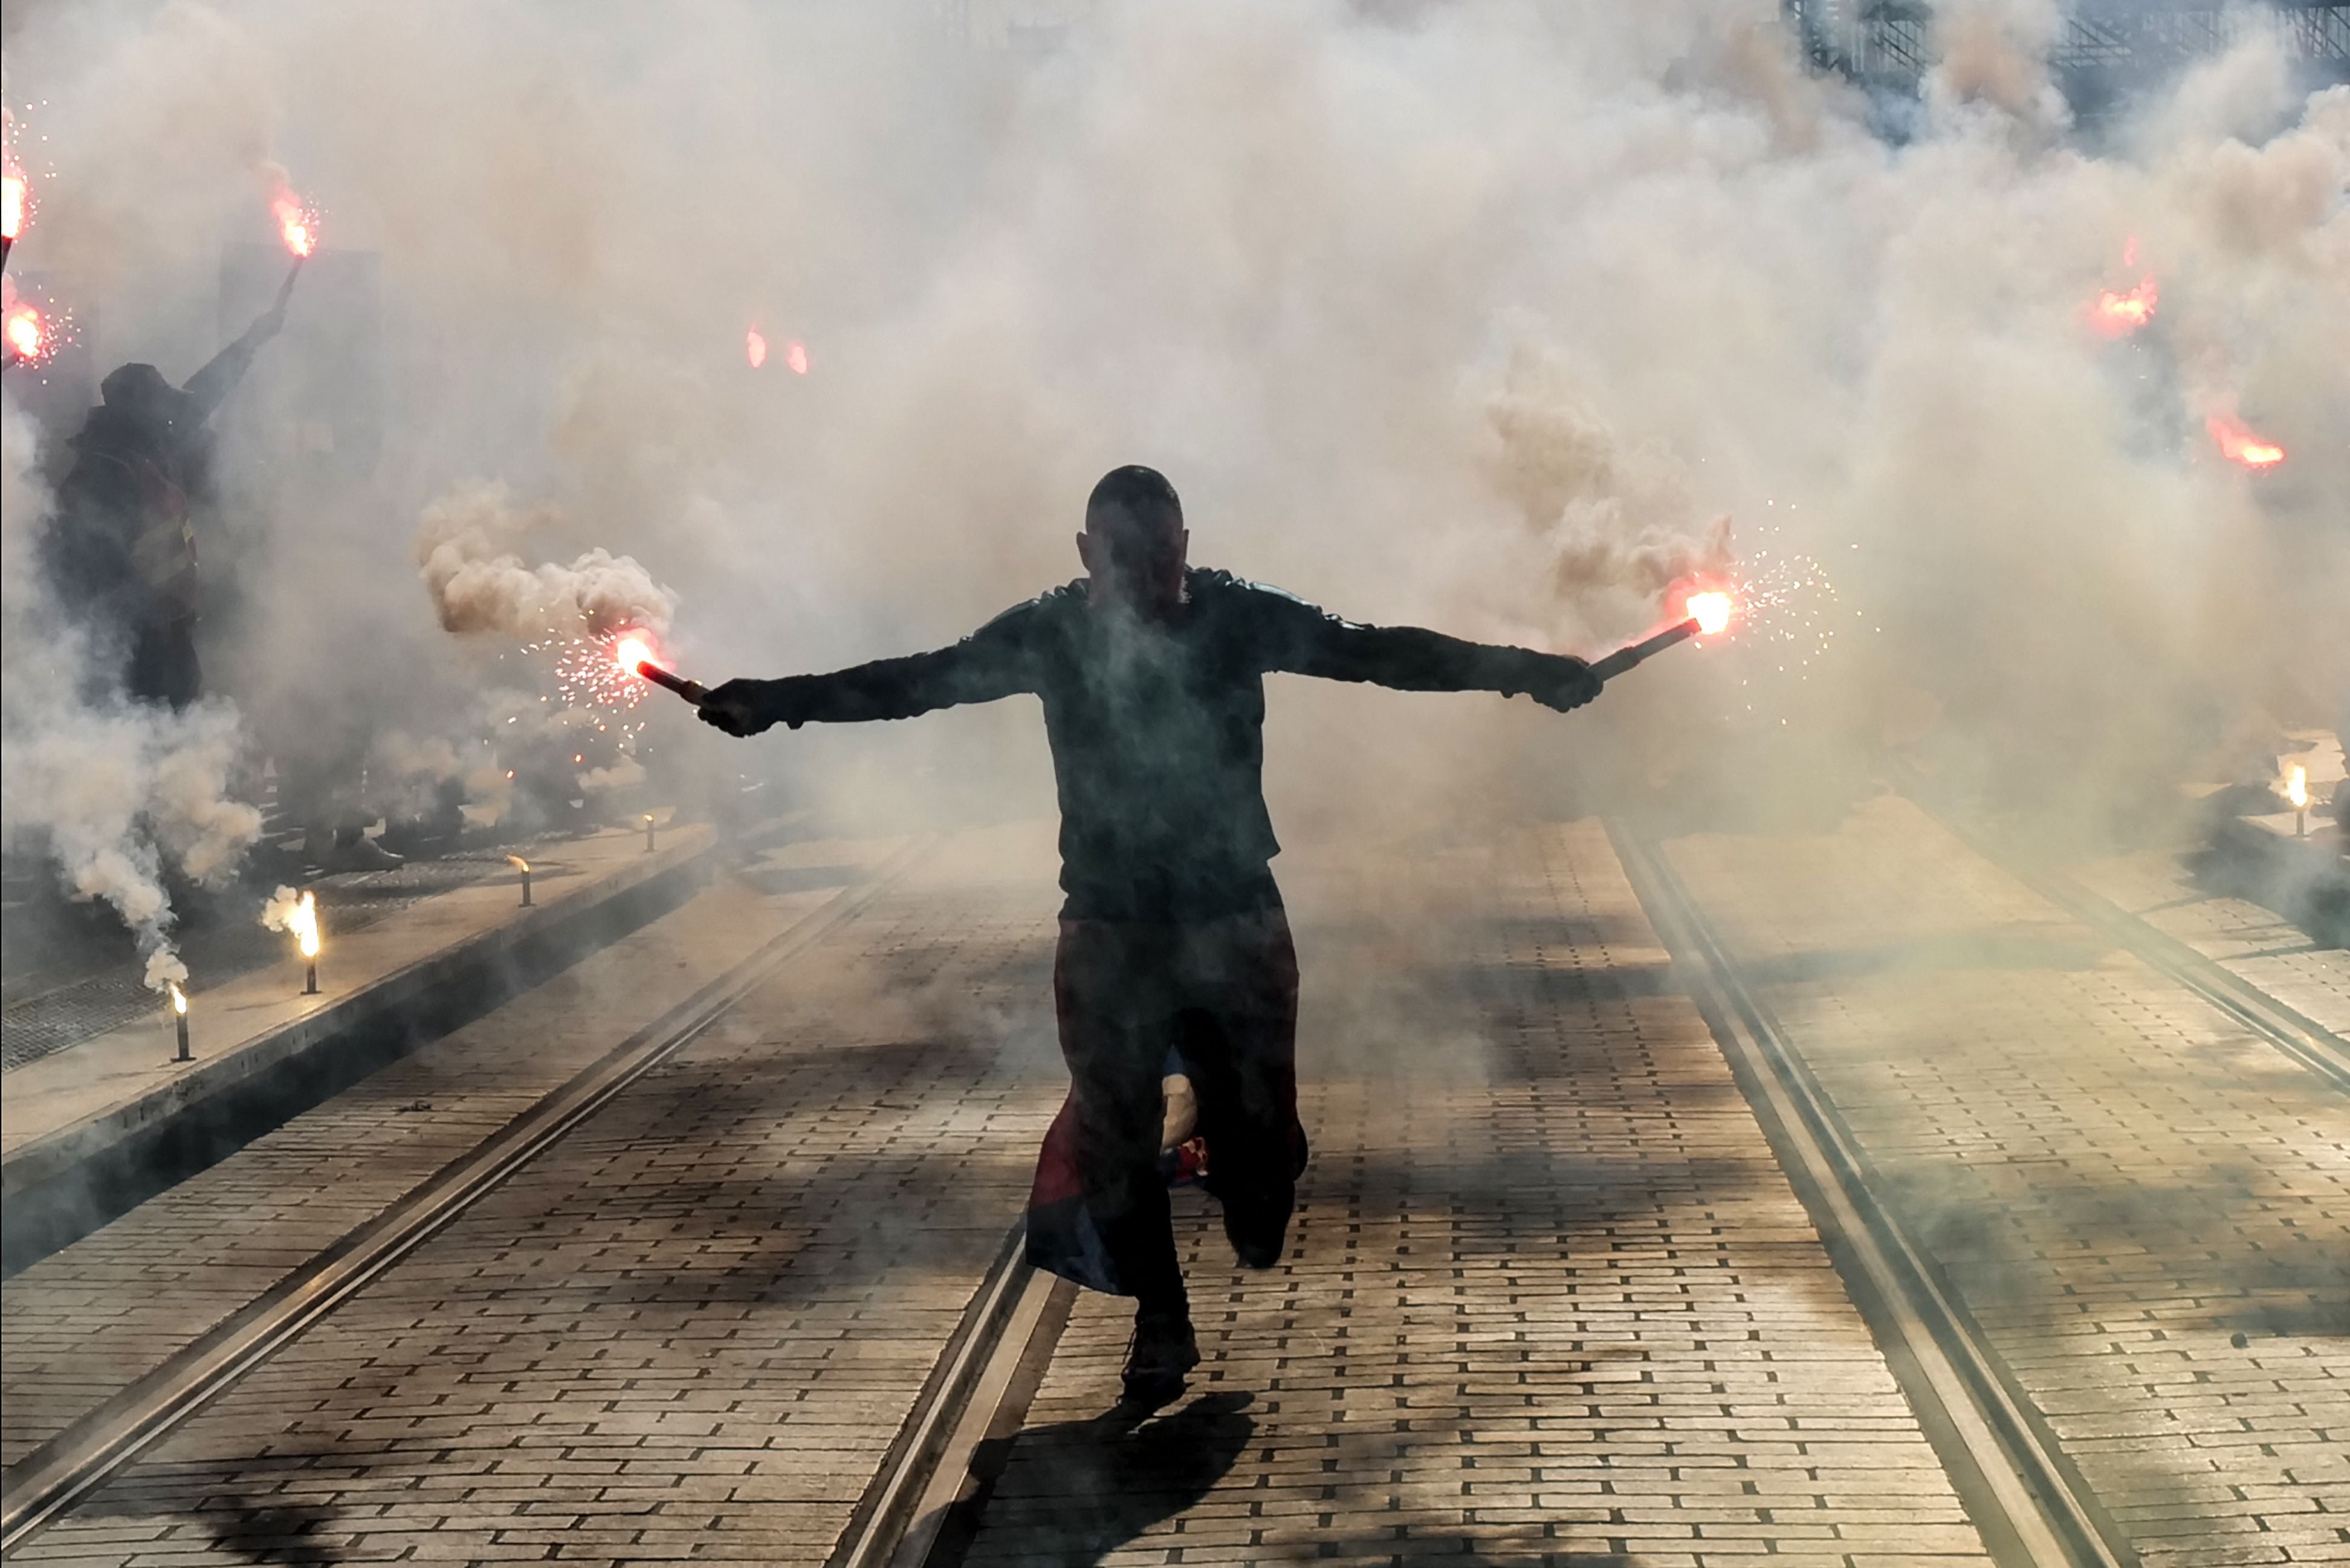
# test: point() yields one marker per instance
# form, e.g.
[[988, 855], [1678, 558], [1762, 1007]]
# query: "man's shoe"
[[1258, 1232], [1162, 1353]]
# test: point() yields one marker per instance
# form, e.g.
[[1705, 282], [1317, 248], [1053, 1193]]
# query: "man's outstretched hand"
[[1562, 681], [741, 707]]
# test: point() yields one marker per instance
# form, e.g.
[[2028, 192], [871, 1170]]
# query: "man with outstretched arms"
[[1174, 953]]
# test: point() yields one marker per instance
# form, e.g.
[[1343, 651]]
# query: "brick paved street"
[[692, 1327], [1548, 1300], [2147, 1208], [85, 1322], [2255, 944]]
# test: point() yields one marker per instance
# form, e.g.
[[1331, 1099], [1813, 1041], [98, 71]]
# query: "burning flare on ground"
[[2239, 445], [304, 923], [179, 998], [519, 864], [754, 347], [2296, 787]]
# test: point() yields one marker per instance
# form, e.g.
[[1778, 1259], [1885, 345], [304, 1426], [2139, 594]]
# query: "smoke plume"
[[466, 545], [115, 794]]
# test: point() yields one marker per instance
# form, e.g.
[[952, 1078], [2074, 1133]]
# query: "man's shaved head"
[[1142, 494], [1134, 544]]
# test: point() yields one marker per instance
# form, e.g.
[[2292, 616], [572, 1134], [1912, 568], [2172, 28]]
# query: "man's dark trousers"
[[1219, 995]]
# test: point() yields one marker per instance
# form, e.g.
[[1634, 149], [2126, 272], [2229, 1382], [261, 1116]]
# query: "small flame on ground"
[[2237, 444], [795, 357], [297, 225], [754, 347], [519, 864], [2296, 786], [179, 998], [304, 922], [1710, 610]]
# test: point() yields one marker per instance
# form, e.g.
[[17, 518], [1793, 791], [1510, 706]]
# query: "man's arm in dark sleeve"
[[993, 662], [210, 386], [1308, 641]]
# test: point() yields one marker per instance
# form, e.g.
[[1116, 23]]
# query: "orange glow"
[[2239, 445], [795, 357], [2119, 314], [2296, 786], [296, 224], [179, 998], [304, 923], [12, 203], [27, 334], [1710, 610], [519, 864], [754, 347], [632, 651]]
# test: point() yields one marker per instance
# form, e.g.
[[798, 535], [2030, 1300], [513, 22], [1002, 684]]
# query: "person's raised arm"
[[993, 662], [210, 386], [1307, 640]]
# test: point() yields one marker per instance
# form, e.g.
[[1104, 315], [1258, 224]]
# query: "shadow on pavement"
[[1070, 1493]]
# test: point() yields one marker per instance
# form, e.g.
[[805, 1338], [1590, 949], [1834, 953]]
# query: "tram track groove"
[[2298, 1036], [2026, 1497], [51, 1479]]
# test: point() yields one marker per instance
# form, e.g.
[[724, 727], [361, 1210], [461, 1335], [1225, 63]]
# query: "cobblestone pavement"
[[2146, 1209], [2256, 945], [82, 1324], [1548, 1298], [690, 1328]]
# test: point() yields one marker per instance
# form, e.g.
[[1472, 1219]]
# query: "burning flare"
[[297, 225], [2296, 787], [754, 347], [304, 923], [179, 998], [632, 649], [1710, 610], [27, 334], [519, 864], [795, 357], [2119, 314], [2237, 444], [12, 203]]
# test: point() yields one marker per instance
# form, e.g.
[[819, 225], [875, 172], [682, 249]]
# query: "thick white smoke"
[[1479, 314], [113, 791], [467, 544]]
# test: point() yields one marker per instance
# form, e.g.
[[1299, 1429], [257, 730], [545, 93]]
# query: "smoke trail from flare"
[[466, 545]]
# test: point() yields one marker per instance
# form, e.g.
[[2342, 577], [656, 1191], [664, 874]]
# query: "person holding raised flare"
[[1174, 953]]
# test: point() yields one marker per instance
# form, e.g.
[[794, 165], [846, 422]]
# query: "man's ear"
[[1085, 550]]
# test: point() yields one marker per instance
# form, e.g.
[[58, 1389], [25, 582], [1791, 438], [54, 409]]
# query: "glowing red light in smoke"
[[795, 357], [754, 347], [2239, 445], [27, 334], [297, 225], [2118, 315], [15, 192]]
